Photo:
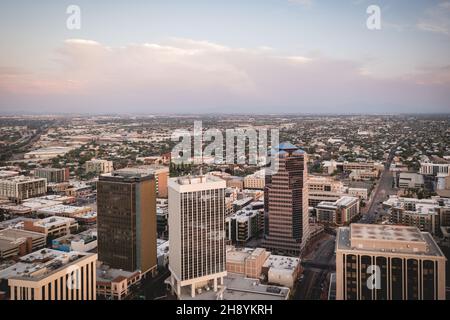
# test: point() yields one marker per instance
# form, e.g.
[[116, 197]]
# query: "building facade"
[[197, 233], [54, 175], [21, 187], [324, 189], [286, 202], [126, 216], [339, 212], [380, 262], [99, 166], [52, 275]]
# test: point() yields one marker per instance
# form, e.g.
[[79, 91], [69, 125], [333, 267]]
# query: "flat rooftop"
[[107, 274], [19, 179], [86, 236], [190, 180], [52, 221], [64, 209], [282, 263], [387, 238], [240, 288], [239, 255], [15, 223], [41, 263]]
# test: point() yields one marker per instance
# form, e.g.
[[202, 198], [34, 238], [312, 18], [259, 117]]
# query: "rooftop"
[[282, 263], [18, 179], [86, 236], [190, 180], [239, 255], [52, 221], [240, 288], [107, 274], [40, 264], [387, 238], [64, 209]]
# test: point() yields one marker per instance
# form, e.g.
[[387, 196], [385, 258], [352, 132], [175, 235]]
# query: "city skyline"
[[221, 57]]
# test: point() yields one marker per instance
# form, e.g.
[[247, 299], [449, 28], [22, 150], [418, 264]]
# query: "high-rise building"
[[286, 202], [55, 175], [197, 256], [126, 215], [161, 174], [384, 262]]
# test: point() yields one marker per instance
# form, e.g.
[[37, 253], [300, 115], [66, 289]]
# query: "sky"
[[209, 56]]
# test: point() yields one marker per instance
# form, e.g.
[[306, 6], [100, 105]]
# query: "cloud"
[[436, 19], [186, 75]]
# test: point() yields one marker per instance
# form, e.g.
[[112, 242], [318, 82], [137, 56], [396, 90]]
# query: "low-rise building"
[[339, 212], [256, 180], [16, 242], [20, 187], [82, 242], [281, 270], [62, 210], [99, 166], [364, 174], [237, 287], [52, 275], [247, 262], [426, 214], [115, 284], [435, 166], [242, 226], [241, 203], [54, 175], [52, 226], [361, 193], [410, 180], [321, 188], [48, 153]]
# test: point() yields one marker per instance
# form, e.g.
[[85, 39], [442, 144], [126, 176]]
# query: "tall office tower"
[[286, 202], [385, 262], [197, 255], [126, 218]]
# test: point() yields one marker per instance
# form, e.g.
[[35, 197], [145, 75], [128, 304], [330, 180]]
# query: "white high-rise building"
[[197, 256]]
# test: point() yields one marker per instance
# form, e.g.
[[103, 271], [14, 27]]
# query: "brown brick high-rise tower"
[[286, 202]]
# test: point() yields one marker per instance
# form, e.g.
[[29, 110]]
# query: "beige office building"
[[339, 212], [99, 166], [21, 187], [381, 262], [322, 188], [256, 180], [52, 275], [52, 226], [197, 256]]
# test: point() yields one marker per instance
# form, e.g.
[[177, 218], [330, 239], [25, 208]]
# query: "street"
[[316, 267]]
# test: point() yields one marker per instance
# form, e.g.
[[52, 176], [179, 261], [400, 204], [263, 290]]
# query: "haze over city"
[[285, 56], [224, 158]]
